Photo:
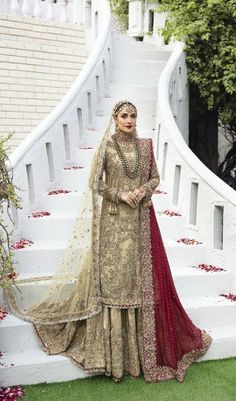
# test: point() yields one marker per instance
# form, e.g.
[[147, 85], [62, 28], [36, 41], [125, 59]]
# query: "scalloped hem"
[[167, 373]]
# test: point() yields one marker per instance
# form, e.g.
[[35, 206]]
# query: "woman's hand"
[[133, 198], [139, 193], [129, 198]]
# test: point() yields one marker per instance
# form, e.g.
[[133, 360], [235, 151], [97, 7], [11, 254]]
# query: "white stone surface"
[[35, 366], [212, 192]]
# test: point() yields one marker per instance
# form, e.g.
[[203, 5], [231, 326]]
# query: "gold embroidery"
[[121, 338]]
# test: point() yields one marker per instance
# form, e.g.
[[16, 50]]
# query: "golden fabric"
[[111, 341], [119, 233]]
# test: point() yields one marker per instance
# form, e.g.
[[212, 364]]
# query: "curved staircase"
[[134, 74]]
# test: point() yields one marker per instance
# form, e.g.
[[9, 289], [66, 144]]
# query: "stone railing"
[[38, 161], [208, 204], [71, 11]]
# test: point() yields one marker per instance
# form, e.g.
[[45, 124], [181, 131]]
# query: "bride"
[[112, 305]]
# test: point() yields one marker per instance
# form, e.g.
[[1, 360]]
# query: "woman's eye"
[[126, 116]]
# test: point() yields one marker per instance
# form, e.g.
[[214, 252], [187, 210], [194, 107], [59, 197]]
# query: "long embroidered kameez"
[[111, 342]]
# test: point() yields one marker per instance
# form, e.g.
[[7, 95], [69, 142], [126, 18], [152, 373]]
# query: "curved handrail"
[[90, 64], [177, 139]]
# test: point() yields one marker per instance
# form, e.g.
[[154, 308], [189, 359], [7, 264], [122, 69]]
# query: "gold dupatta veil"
[[73, 292]]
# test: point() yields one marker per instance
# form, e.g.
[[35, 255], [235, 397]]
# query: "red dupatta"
[[171, 342]]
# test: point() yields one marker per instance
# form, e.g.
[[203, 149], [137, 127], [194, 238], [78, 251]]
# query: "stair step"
[[139, 51], [61, 202], [124, 91], [161, 201], [134, 64], [203, 317], [170, 227], [56, 226], [189, 281], [139, 54], [127, 41], [77, 180], [223, 344], [192, 282], [44, 255], [23, 332], [72, 201], [184, 255], [35, 366], [84, 157], [133, 76], [210, 312], [41, 257]]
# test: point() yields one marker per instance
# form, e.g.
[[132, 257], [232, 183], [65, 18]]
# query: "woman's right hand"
[[129, 198]]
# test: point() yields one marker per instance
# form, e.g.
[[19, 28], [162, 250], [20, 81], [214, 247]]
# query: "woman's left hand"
[[139, 194]]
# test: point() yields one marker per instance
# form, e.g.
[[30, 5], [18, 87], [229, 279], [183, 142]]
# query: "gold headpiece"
[[119, 105]]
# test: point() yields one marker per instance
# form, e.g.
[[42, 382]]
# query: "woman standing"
[[121, 312]]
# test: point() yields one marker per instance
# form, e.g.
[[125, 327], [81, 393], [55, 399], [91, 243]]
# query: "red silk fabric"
[[171, 342], [176, 335]]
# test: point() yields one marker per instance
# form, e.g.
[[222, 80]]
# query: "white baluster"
[[50, 15], [64, 16], [77, 11], [37, 13], [14, 8], [87, 14], [26, 9]]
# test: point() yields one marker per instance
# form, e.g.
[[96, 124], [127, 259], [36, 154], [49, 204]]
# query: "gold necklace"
[[130, 172]]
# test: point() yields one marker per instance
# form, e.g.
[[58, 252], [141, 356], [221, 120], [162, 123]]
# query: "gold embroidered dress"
[[111, 341], [119, 233], [120, 262], [112, 306]]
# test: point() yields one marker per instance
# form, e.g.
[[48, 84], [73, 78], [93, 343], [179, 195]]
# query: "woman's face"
[[126, 120]]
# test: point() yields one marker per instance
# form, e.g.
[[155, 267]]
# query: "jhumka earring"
[[117, 129]]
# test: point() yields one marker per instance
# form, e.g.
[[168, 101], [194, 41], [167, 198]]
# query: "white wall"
[[214, 196]]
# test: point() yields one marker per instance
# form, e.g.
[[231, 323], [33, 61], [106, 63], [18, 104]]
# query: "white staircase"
[[136, 68]]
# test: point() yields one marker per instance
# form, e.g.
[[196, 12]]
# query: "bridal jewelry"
[[130, 172]]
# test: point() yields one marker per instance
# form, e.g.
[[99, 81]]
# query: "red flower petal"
[[188, 241]]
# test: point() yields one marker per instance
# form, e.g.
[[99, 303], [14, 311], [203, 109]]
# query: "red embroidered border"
[[171, 342]]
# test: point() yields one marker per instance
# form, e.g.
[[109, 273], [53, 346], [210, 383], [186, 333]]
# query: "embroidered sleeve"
[[154, 179], [108, 192]]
